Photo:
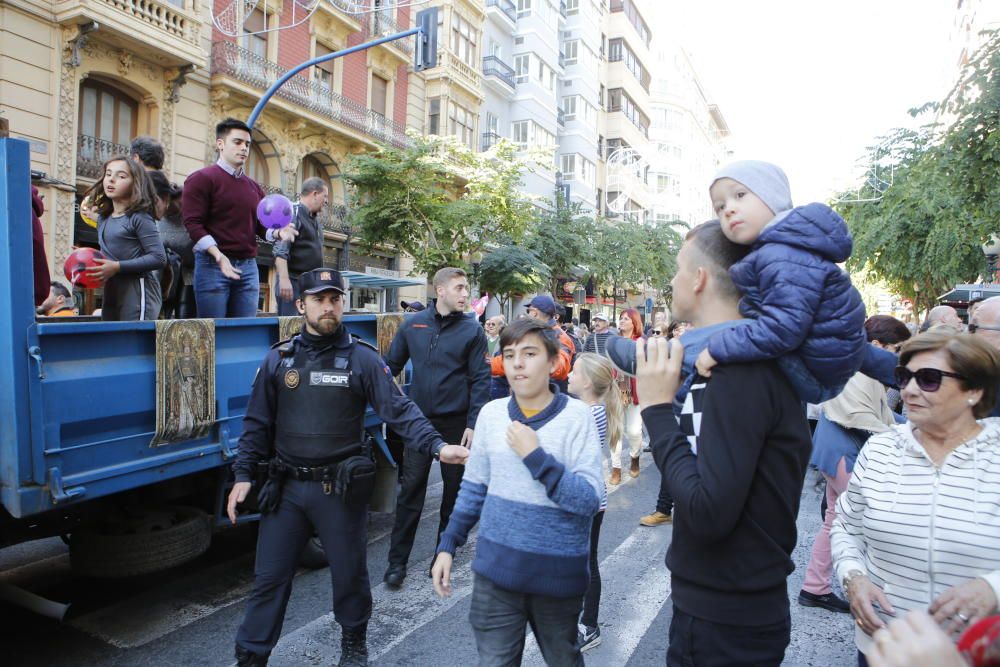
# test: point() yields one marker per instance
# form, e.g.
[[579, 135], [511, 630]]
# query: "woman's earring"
[[971, 402]]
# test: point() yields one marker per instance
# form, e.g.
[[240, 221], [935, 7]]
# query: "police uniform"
[[306, 414]]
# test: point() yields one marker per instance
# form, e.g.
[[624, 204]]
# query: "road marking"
[[626, 617], [157, 612], [395, 616]]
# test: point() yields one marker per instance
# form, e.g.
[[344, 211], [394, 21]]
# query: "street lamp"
[[992, 251]]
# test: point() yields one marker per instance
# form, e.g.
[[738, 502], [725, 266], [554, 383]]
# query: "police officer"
[[305, 420]]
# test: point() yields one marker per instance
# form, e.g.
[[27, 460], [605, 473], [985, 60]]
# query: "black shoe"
[[245, 658], [587, 638], [648, 449], [394, 575], [830, 602], [353, 647]]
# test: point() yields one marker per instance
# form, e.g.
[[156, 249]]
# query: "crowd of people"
[[523, 416]]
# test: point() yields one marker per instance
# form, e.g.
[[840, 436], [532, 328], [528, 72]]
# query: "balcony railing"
[[562, 8], [334, 219], [560, 116], [506, 6], [258, 72], [160, 14], [92, 153], [493, 66], [562, 59], [490, 140], [381, 24]]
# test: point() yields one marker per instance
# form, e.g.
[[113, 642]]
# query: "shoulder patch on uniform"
[[358, 339]]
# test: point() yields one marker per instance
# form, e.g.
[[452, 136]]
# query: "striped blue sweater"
[[534, 514]]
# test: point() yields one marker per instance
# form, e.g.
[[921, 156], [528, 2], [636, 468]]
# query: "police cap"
[[321, 280]]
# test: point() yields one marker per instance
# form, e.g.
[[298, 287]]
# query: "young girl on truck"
[[592, 381], [130, 242]]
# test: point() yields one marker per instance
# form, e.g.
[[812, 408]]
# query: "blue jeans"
[[219, 296]]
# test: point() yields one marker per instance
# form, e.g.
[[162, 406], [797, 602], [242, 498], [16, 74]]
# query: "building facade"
[[81, 78]]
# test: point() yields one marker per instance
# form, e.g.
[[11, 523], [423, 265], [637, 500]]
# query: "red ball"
[[77, 264]]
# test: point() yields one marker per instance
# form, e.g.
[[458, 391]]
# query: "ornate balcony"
[[154, 27], [248, 68], [380, 24], [334, 219], [493, 66], [92, 153]]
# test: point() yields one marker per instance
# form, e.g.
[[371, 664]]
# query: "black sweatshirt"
[[736, 502], [450, 372]]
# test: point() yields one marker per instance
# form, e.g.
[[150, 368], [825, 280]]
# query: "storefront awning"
[[357, 279]]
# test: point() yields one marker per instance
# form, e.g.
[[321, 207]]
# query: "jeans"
[[218, 296], [499, 617], [695, 642], [410, 504], [820, 566], [592, 600], [286, 308]]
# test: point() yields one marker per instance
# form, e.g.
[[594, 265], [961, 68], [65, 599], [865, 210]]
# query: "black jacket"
[[737, 500], [305, 253], [450, 375], [369, 377]]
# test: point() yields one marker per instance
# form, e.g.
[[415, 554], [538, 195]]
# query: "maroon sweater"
[[224, 206]]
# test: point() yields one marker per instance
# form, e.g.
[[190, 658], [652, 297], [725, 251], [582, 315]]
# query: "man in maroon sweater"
[[219, 206]]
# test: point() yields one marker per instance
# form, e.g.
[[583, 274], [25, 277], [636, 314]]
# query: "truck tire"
[[313, 556], [152, 540]]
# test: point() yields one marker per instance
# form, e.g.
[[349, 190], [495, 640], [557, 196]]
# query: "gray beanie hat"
[[764, 179]]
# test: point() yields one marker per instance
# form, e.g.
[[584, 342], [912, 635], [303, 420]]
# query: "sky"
[[809, 84]]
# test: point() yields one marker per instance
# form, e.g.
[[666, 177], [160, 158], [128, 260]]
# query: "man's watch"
[[437, 450]]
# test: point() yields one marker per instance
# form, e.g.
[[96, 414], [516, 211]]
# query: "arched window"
[[320, 165], [108, 119], [257, 166]]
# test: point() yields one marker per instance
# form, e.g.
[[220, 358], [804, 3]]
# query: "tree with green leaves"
[[562, 239], [922, 234], [512, 271], [621, 254], [437, 200]]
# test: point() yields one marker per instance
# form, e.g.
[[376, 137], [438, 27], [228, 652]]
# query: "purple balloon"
[[274, 211]]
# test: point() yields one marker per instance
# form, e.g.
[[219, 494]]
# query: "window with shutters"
[[254, 39], [380, 91]]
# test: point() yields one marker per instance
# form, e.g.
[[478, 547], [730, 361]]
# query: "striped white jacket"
[[917, 530]]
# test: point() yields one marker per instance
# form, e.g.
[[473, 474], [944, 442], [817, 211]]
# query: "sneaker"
[[830, 602], [587, 638], [655, 519]]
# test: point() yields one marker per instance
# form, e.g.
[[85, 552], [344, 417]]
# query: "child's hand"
[[106, 268], [441, 574], [705, 363], [522, 439]]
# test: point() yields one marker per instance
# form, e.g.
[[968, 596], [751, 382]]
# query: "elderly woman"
[[919, 525], [846, 422]]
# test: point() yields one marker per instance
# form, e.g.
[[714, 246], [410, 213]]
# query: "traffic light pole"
[[424, 56]]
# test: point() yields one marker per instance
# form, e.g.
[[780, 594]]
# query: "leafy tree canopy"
[[511, 271]]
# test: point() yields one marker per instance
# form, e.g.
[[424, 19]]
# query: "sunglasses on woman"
[[928, 379]]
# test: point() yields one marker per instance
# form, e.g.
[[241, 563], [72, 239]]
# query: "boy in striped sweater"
[[533, 482]]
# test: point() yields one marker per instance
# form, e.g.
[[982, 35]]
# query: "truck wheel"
[[143, 542], [313, 556]]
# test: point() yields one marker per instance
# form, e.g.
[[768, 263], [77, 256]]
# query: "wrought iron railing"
[[245, 66], [490, 140], [92, 153], [381, 23], [493, 66], [506, 6], [334, 219]]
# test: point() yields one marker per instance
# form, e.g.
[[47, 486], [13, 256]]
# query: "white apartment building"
[[688, 135], [541, 61]]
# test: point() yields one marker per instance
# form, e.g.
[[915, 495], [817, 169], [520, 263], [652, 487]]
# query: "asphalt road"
[[189, 615]]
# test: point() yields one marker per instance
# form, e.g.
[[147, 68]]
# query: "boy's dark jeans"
[[695, 642], [499, 619]]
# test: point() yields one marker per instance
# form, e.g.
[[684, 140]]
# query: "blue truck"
[[93, 445]]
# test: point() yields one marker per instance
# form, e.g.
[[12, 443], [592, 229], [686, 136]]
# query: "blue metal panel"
[[16, 315]]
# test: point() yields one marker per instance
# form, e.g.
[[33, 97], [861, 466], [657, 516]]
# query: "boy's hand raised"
[[522, 439], [657, 370]]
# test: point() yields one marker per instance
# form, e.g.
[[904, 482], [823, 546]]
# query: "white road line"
[[395, 616], [159, 611], [622, 628]]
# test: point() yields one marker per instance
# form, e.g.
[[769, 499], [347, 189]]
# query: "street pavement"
[[189, 615]]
